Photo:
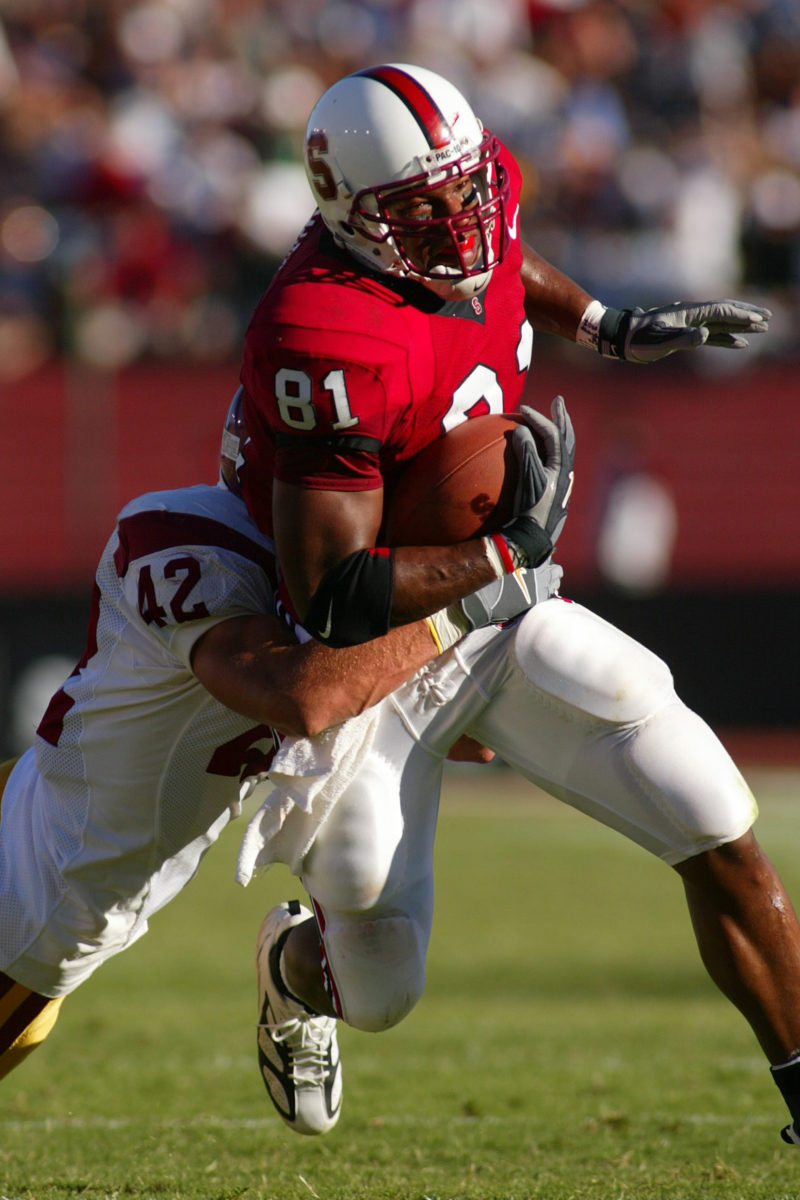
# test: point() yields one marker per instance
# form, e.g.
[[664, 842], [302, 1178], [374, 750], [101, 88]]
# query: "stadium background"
[[150, 182]]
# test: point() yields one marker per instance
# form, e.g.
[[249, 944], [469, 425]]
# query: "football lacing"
[[428, 691]]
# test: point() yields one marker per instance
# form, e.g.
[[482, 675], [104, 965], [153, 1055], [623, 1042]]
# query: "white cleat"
[[298, 1052]]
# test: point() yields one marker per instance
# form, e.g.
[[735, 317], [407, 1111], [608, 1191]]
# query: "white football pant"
[[570, 703]]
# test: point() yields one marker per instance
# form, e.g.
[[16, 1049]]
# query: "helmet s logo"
[[324, 182]]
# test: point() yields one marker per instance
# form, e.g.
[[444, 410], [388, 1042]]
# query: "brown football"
[[460, 486]]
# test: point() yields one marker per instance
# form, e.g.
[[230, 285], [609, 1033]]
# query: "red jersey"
[[350, 373]]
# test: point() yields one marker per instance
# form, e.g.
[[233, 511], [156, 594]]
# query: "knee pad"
[[353, 865], [703, 796], [377, 967]]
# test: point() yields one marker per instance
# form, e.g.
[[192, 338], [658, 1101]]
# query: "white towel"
[[309, 775]]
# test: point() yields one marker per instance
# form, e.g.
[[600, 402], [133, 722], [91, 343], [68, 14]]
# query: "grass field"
[[568, 1047]]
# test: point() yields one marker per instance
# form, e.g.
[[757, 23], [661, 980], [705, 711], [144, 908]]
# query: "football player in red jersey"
[[407, 306]]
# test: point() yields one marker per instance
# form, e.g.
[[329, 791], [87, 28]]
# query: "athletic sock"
[[281, 980], [787, 1078]]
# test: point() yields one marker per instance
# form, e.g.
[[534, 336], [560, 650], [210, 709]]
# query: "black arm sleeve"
[[353, 603]]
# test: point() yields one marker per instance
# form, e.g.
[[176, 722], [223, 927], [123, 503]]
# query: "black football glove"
[[644, 336], [496, 602], [544, 482]]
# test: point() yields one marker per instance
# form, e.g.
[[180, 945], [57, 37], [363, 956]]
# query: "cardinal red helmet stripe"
[[428, 116]]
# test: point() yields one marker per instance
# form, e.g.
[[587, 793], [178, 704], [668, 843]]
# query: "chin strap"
[[462, 289]]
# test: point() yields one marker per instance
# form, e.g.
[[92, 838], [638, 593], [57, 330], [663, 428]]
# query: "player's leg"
[[298, 1052], [26, 1018], [605, 731], [592, 716], [370, 873], [362, 958], [302, 968], [749, 939]]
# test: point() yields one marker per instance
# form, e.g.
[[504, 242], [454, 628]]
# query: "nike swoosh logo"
[[522, 584], [512, 225], [326, 632]]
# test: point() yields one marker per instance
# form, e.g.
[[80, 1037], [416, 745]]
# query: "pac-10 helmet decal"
[[381, 136]]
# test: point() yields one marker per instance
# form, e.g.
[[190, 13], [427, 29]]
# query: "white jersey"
[[136, 768]]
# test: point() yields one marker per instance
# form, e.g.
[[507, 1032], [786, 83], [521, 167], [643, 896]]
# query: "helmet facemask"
[[454, 253]]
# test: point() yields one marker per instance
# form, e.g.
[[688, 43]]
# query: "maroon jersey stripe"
[[51, 725], [427, 114], [151, 531]]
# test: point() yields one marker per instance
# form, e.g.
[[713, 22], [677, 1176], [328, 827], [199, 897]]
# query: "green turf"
[[568, 1045]]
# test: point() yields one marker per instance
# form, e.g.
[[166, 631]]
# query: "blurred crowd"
[[150, 153]]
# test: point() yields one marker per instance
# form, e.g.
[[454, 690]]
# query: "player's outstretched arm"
[[556, 304], [253, 665]]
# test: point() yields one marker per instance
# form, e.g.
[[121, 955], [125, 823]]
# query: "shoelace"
[[307, 1038]]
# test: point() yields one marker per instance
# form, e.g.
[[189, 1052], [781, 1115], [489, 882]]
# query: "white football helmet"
[[234, 439], [391, 132]]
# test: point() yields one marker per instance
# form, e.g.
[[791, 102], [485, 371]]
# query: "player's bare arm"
[[329, 526], [253, 665], [347, 589], [556, 304]]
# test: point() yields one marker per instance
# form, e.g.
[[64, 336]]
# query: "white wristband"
[[589, 328], [493, 554], [447, 627]]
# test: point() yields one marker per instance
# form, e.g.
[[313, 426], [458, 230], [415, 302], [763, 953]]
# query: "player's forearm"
[[554, 303], [374, 590], [328, 686], [428, 578], [253, 665]]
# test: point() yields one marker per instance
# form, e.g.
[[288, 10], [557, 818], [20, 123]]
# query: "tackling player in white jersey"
[[142, 755]]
